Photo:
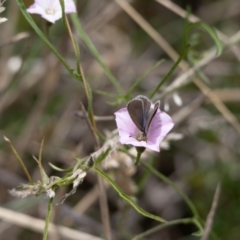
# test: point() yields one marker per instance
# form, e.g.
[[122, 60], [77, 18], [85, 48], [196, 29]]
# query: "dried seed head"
[[50, 193], [79, 178], [25, 191]]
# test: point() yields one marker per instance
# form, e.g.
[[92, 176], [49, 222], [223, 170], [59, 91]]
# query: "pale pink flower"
[[51, 9], [159, 127]]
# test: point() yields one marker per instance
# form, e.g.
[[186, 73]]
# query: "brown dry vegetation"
[[39, 99]]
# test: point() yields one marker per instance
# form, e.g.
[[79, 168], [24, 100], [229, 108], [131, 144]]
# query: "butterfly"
[[141, 113]]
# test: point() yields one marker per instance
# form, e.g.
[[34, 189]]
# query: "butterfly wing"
[[151, 115], [146, 109], [138, 109]]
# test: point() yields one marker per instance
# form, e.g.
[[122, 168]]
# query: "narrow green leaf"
[[170, 183], [139, 80], [199, 73], [127, 198], [157, 228], [59, 169], [199, 233], [209, 30], [182, 56], [95, 53], [107, 94], [44, 38], [102, 157]]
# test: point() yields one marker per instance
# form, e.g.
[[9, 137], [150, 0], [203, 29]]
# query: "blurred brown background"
[[38, 98]]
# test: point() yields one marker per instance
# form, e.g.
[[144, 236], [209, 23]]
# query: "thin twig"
[[183, 65], [95, 137], [147, 28], [184, 112], [14, 39], [37, 225], [186, 76], [96, 118], [210, 217], [104, 208], [87, 200], [93, 128], [162, 226], [192, 18]]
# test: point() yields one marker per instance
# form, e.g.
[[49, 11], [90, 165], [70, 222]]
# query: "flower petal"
[[126, 127], [35, 8], [42, 7], [159, 127], [70, 6], [52, 17]]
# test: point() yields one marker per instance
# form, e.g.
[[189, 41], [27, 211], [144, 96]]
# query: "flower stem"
[[45, 233], [73, 40], [177, 189], [140, 150], [138, 158], [44, 38], [170, 72], [162, 226], [194, 211]]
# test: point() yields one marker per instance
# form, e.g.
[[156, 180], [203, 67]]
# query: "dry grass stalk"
[[37, 225], [183, 65], [211, 214]]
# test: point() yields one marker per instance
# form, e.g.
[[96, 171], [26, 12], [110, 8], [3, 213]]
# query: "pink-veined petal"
[[160, 126]]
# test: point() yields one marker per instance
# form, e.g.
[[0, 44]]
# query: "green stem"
[[44, 38], [170, 72], [198, 224], [140, 150], [164, 225], [169, 182], [139, 80], [45, 233], [73, 40], [47, 27], [95, 53], [138, 158], [145, 176], [127, 198]]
